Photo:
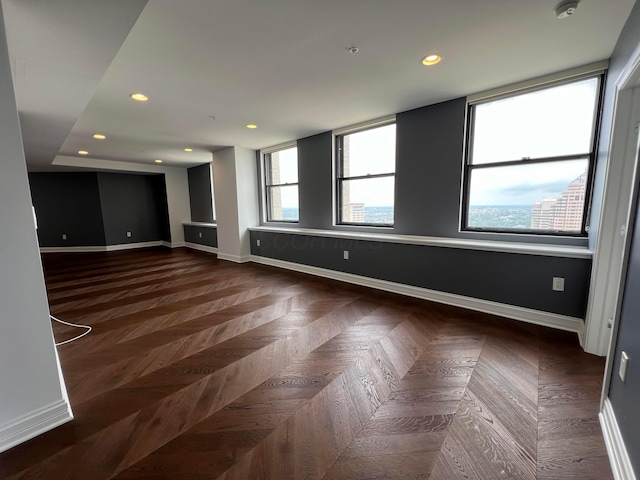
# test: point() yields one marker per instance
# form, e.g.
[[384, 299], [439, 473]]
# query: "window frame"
[[591, 156], [267, 186], [339, 177]]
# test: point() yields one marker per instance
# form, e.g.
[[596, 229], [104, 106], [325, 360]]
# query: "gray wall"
[[200, 200], [97, 209], [67, 203], [133, 203], [207, 236], [429, 162], [625, 397], [515, 279]]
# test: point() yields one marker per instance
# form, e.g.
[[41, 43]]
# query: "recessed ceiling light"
[[140, 97], [251, 125], [99, 136], [431, 59], [157, 160], [188, 149], [83, 152]]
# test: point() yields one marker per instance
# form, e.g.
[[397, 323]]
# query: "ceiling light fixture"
[[566, 9], [99, 136], [431, 59], [157, 160], [188, 149], [83, 152], [252, 126], [139, 97]]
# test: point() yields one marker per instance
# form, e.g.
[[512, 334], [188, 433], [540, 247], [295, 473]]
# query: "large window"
[[366, 176], [530, 160], [281, 184]]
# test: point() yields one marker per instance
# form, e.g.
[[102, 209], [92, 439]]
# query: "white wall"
[[32, 393], [235, 189]]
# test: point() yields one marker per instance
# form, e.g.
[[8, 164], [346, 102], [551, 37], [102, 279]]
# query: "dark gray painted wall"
[[625, 397], [97, 209], [130, 203], [200, 200], [201, 235], [67, 203], [429, 144], [515, 279], [315, 175]]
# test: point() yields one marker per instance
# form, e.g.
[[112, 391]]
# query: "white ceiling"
[[281, 64]]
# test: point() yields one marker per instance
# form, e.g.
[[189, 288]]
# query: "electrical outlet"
[[558, 284], [128, 234], [258, 242], [64, 236], [624, 363], [345, 255]]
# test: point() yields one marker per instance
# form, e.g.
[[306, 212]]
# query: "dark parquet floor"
[[204, 369]]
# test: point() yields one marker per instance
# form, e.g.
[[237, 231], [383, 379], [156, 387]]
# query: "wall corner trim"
[[35, 423], [618, 455], [235, 258], [202, 248], [537, 317]]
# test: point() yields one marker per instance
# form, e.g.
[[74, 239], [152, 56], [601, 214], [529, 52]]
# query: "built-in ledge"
[[565, 251]]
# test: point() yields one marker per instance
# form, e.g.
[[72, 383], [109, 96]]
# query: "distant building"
[[564, 213]]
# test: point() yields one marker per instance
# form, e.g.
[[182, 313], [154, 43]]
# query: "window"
[[281, 184], [530, 159], [366, 176]]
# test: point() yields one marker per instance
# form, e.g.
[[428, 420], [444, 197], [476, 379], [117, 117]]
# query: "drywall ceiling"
[[209, 67]]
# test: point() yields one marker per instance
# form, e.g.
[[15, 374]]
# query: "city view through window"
[[527, 170]]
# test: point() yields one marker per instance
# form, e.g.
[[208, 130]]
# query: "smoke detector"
[[566, 9]]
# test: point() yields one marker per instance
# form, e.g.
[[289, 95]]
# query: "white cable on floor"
[[71, 325]]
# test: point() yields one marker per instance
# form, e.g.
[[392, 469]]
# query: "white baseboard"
[[202, 248], [561, 322], [173, 245], [618, 456], [34, 424], [235, 258], [102, 248]]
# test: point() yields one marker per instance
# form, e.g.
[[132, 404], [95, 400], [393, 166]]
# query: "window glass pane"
[[283, 203], [544, 196], [283, 166], [368, 200], [546, 123], [369, 152]]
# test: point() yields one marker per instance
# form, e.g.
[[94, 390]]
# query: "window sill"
[[565, 251], [200, 224]]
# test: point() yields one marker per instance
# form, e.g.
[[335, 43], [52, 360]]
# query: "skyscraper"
[[561, 214]]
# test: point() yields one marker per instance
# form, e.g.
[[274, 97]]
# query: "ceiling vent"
[[566, 9]]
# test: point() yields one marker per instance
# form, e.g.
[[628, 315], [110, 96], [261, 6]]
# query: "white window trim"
[[538, 83], [356, 127], [263, 181]]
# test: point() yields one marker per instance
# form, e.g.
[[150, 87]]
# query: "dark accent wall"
[[69, 204], [625, 397], [514, 279], [429, 145], [315, 177], [200, 199], [97, 209], [130, 203], [207, 236]]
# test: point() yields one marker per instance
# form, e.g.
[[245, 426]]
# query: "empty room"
[[357, 239]]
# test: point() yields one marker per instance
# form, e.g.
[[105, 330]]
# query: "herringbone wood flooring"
[[204, 369]]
